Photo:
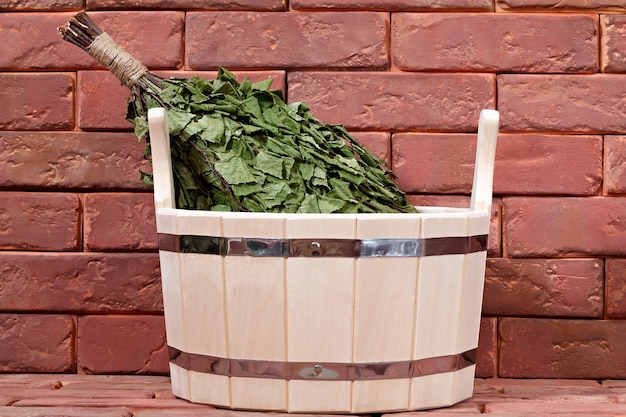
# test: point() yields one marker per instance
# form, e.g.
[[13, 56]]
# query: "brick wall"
[[79, 272]]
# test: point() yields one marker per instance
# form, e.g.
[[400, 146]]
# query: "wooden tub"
[[303, 313]]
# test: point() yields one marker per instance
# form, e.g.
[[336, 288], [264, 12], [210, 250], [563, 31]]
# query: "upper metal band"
[[321, 370], [351, 248]]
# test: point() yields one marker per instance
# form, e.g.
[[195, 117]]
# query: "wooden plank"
[[161, 159], [209, 389], [179, 378], [384, 312], [203, 288], [439, 290], [319, 396], [320, 294], [463, 386], [383, 395], [472, 287], [203, 299], [259, 394], [432, 391], [172, 300], [255, 310], [385, 293], [482, 187]]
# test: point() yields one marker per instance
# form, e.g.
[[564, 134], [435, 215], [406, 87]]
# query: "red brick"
[[558, 392], [19, 394], [434, 163], [155, 38], [80, 282], [33, 101], [495, 42], [615, 288], [76, 160], [562, 408], [395, 101], [554, 226], [559, 5], [544, 287], [555, 348], [39, 221], [613, 43], [132, 403], [614, 168], [503, 385], [525, 164], [29, 381], [101, 99], [276, 5], [286, 40], [396, 5], [487, 355], [47, 5], [440, 200], [122, 344], [562, 103], [548, 164], [119, 221], [157, 384], [45, 411], [36, 343], [35, 42]]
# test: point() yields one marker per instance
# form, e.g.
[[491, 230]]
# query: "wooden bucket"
[[349, 313]]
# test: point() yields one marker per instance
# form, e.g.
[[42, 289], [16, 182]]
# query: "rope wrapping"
[[126, 68]]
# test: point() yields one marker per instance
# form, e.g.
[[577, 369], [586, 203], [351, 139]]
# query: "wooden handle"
[[482, 188], [161, 158]]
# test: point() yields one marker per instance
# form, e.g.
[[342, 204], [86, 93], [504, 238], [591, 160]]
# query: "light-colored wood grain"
[[320, 294], [209, 389], [179, 378], [463, 386], [439, 291], [482, 187], [161, 159], [320, 396], [385, 293], [200, 223], [166, 221], [255, 308], [472, 287], [172, 300], [471, 301], [255, 300], [259, 393], [432, 391], [203, 298], [380, 395]]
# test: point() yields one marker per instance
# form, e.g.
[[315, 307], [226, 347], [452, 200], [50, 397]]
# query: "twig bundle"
[[240, 147]]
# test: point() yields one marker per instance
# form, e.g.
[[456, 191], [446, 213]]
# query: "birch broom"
[[240, 147]]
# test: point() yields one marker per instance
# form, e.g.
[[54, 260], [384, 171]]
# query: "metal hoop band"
[[320, 370], [356, 248]]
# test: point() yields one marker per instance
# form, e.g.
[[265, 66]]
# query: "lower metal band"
[[355, 248], [321, 370]]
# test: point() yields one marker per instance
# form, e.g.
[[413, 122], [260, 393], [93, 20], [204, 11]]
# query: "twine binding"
[[126, 68]]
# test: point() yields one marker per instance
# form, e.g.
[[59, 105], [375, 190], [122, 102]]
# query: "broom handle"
[[482, 188], [161, 158]]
